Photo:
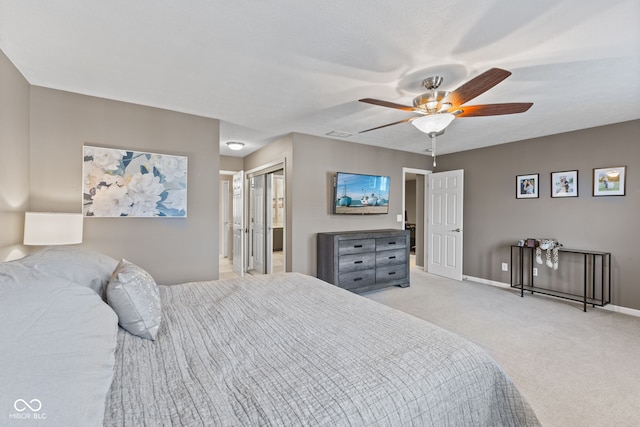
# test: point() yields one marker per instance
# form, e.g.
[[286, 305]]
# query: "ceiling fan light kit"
[[438, 108], [433, 124]]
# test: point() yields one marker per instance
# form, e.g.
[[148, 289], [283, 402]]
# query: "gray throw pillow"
[[82, 266], [133, 295]]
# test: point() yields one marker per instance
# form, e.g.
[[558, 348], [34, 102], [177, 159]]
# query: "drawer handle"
[[391, 273], [357, 246], [357, 262], [392, 243], [392, 257], [357, 279]]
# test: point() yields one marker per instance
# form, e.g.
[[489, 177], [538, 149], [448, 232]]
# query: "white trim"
[[620, 309], [487, 282], [609, 307], [266, 168]]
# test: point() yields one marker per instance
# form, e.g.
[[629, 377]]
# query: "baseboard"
[[620, 309], [610, 307], [487, 282]]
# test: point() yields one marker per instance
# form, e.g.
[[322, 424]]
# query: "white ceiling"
[[269, 68]]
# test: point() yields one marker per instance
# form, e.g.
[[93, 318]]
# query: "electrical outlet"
[[505, 266], [535, 271]]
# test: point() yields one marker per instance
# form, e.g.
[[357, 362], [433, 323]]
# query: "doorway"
[[266, 220], [414, 203], [230, 263]]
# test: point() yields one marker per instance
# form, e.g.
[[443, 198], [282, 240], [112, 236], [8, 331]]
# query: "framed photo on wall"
[[527, 186], [609, 181], [564, 184]]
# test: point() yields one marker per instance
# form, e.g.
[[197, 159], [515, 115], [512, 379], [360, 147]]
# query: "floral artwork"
[[121, 183]]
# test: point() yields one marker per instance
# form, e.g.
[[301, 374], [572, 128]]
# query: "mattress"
[[289, 350]]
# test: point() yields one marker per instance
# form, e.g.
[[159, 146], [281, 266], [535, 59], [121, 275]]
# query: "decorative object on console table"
[[527, 186], [361, 261], [609, 181]]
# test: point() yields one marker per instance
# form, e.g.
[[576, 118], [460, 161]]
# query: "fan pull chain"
[[433, 150]]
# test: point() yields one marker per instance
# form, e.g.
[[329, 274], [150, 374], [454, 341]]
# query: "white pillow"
[[82, 266], [133, 295], [57, 346]]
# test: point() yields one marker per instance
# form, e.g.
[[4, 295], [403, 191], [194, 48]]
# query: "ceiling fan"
[[438, 108]]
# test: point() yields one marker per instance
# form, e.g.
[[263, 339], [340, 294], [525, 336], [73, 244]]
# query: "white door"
[[238, 223], [446, 190], [258, 227], [225, 219], [268, 212]]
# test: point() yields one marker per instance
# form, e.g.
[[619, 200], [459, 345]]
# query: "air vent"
[[339, 134]]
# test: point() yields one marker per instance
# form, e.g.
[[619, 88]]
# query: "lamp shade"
[[433, 124], [44, 228]]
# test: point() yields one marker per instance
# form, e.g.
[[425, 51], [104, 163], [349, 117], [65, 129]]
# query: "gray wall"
[[171, 249], [495, 219], [311, 163], [14, 159], [231, 163], [410, 200], [316, 160]]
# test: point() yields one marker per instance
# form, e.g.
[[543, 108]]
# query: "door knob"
[[457, 230]]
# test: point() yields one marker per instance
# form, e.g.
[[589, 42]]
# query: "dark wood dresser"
[[364, 260]]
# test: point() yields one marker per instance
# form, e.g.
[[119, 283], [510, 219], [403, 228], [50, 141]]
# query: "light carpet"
[[574, 368]]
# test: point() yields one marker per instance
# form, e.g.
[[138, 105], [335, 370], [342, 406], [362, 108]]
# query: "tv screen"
[[357, 194]]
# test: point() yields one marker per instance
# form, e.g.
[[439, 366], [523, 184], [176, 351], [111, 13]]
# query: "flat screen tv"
[[358, 194]]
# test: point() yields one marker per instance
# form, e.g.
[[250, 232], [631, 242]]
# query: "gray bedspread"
[[291, 350]]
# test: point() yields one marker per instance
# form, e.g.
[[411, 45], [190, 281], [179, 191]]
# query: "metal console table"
[[592, 259]]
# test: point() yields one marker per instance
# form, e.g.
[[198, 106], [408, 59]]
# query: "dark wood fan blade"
[[390, 124], [477, 86], [387, 104], [494, 109]]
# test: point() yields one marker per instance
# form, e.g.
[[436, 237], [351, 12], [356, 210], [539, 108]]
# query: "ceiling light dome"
[[235, 145], [433, 124]]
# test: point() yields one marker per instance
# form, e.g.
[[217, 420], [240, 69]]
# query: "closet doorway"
[[414, 202], [266, 231]]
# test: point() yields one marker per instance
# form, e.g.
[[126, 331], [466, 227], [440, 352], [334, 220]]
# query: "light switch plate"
[[399, 217]]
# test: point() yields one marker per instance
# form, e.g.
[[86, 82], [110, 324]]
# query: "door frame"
[[425, 221], [264, 170]]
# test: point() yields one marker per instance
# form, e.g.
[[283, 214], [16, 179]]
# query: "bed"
[[284, 349]]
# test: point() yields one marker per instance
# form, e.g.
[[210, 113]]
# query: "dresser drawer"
[[358, 246], [356, 262], [357, 279], [391, 272], [396, 256], [386, 243]]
